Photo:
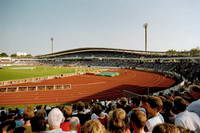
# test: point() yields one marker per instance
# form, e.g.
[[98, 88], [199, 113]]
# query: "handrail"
[[35, 88]]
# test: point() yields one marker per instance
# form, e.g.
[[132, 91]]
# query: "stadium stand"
[[112, 115]]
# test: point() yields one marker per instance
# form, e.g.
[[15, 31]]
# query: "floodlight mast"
[[52, 45], [145, 35]]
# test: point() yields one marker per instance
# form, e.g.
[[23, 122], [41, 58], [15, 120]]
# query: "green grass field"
[[22, 72]]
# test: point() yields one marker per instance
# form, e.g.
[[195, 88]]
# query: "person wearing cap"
[[194, 91], [185, 118]]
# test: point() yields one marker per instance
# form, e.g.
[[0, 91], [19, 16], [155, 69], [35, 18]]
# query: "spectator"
[[19, 120], [28, 115], [138, 121], [55, 118], [8, 126], [67, 114], [38, 122], [2, 110], [19, 130], [184, 130], [135, 105], [93, 126], [154, 106], [135, 102], [98, 114], [185, 118], [123, 103], [83, 117], [144, 101], [166, 128], [167, 112], [195, 93], [96, 111], [87, 108], [75, 125], [3, 116], [119, 122]]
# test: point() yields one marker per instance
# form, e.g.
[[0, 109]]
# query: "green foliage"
[[22, 56], [171, 52], [195, 51], [13, 55], [3, 55], [29, 56], [192, 52]]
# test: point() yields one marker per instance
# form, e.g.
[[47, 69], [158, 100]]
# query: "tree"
[[13, 55], [3, 55], [171, 52], [29, 56], [195, 51]]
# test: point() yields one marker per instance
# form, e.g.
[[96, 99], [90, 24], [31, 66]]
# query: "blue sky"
[[28, 25]]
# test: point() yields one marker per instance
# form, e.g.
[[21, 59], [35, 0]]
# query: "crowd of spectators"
[[189, 70], [176, 112]]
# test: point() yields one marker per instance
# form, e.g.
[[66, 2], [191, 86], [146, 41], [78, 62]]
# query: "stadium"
[[95, 73], [99, 66]]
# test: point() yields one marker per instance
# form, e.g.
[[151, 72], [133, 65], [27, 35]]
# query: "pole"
[[145, 35], [52, 45]]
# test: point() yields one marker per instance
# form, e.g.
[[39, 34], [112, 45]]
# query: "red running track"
[[87, 87]]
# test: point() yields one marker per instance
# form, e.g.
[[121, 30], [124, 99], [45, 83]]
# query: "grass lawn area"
[[22, 72]]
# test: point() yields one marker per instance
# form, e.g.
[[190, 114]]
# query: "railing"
[[173, 74], [167, 91], [35, 88]]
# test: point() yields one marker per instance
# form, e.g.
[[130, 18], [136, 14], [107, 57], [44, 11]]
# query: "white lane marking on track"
[[89, 84]]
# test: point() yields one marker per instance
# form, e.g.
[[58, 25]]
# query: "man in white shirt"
[[154, 106], [194, 107], [185, 118], [194, 91]]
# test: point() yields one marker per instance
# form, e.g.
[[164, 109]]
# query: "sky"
[[28, 25]]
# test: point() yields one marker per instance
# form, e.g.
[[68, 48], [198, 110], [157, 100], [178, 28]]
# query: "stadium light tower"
[[52, 44], [145, 35]]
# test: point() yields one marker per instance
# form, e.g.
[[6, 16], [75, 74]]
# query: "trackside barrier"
[[173, 74], [174, 88], [130, 94], [37, 79], [36, 88]]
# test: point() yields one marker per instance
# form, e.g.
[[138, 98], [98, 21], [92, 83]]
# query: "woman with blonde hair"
[[93, 126], [118, 122]]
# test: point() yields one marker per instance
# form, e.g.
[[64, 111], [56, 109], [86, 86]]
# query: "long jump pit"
[[87, 87]]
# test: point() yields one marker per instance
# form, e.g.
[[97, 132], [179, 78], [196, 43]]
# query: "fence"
[[36, 88], [171, 74], [36, 79], [167, 91]]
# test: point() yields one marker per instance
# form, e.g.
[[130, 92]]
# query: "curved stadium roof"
[[80, 50]]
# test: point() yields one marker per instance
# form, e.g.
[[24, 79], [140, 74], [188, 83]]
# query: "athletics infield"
[[86, 87]]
